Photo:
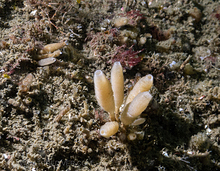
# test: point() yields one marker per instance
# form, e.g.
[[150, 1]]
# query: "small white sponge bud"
[[109, 129]]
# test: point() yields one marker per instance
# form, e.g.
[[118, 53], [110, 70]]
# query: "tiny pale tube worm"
[[136, 107], [52, 47], [109, 129], [117, 81], [103, 93], [62, 113], [144, 84]]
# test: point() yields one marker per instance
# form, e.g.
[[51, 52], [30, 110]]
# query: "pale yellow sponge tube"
[[136, 107], [144, 84], [103, 93], [109, 129], [52, 47], [117, 81]]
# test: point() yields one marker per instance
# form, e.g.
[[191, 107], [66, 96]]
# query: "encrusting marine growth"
[[110, 96]]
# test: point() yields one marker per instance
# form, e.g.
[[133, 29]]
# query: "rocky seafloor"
[[49, 117]]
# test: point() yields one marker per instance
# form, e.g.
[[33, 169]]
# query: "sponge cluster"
[[110, 96]]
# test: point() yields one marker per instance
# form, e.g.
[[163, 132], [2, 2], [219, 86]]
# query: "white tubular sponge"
[[144, 84], [136, 107], [117, 81], [52, 47], [103, 93]]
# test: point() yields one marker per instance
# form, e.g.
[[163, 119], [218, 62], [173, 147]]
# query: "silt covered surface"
[[178, 42]]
